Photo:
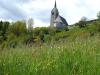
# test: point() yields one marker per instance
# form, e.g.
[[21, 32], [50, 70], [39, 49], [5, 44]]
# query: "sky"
[[40, 10]]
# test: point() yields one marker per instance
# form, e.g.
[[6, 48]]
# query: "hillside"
[[61, 52]]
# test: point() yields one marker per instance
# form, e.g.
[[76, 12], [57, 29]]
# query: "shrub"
[[18, 28], [82, 22]]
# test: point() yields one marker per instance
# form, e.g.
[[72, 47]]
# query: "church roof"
[[61, 19], [58, 19], [64, 20]]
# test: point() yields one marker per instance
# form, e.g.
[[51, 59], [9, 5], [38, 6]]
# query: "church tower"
[[57, 20], [54, 14]]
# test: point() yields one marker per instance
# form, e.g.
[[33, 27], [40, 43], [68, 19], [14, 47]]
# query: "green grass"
[[77, 53], [63, 58]]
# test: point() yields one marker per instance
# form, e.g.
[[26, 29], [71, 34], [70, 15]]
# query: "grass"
[[63, 58], [79, 54]]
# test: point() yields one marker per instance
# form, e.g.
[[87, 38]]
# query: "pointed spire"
[[55, 4]]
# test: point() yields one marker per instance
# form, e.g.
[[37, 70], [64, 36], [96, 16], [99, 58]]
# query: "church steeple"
[[55, 4], [57, 20], [54, 14]]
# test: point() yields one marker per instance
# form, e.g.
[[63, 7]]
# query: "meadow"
[[78, 54]]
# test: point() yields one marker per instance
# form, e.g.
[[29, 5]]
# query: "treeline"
[[10, 32], [20, 33], [17, 33]]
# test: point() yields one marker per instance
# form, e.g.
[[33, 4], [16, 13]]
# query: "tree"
[[98, 15], [30, 24], [4, 29], [82, 22], [18, 28]]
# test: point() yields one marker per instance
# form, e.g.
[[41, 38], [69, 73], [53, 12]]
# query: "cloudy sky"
[[39, 10]]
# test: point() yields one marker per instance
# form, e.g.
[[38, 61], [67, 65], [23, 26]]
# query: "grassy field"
[[79, 56]]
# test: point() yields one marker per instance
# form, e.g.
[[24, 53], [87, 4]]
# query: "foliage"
[[82, 22], [3, 31], [48, 51], [18, 28], [78, 57], [16, 33]]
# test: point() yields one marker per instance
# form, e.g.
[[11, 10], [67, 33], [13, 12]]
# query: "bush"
[[47, 38], [18, 28], [82, 22]]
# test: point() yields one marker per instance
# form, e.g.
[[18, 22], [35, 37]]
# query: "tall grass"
[[79, 57]]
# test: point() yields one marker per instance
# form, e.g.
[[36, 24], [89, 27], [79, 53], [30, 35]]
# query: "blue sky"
[[39, 10]]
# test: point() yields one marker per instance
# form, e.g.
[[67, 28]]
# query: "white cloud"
[[1, 19], [39, 23], [71, 10]]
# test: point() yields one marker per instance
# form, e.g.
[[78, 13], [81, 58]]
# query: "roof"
[[64, 20], [61, 19], [58, 19]]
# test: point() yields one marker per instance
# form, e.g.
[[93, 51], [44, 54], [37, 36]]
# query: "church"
[[57, 21]]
